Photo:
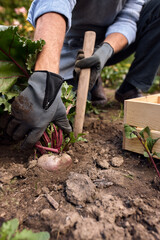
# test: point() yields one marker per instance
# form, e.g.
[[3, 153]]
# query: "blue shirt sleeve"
[[40, 7], [126, 21]]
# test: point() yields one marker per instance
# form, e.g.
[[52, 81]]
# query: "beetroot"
[[54, 162]]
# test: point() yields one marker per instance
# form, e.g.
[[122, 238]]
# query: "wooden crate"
[[140, 113]]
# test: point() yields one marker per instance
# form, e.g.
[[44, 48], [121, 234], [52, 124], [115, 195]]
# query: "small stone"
[[127, 224], [117, 161], [46, 214], [76, 161], [103, 163], [45, 190]]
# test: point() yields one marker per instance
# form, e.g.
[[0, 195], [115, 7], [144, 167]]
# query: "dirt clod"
[[103, 163], [87, 229], [114, 176], [79, 189], [117, 161]]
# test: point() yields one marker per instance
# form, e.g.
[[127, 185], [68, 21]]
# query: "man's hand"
[[96, 62], [38, 105]]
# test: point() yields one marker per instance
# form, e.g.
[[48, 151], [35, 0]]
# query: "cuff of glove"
[[105, 51], [50, 82], [109, 48]]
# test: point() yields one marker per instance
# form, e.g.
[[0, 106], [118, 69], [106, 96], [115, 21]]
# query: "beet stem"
[[39, 147]]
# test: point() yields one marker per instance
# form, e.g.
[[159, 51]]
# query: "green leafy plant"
[[92, 109], [69, 99], [9, 231], [17, 59], [114, 75], [71, 139], [145, 138]]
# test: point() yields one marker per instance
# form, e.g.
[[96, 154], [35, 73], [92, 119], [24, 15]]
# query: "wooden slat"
[[149, 98], [142, 114]]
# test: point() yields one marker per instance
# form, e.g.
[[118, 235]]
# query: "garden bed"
[[107, 193]]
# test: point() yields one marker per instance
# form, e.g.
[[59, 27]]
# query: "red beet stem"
[[55, 136], [40, 147], [46, 138], [60, 139]]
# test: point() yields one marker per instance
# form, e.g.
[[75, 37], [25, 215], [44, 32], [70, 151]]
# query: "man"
[[122, 27]]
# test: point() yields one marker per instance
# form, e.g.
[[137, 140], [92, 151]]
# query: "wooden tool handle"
[[83, 84]]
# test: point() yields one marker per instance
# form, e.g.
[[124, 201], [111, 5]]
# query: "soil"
[[106, 193]]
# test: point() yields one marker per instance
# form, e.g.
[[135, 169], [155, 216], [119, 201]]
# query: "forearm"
[[51, 27], [117, 41]]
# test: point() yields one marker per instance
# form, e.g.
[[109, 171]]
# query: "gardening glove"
[[96, 62], [38, 105]]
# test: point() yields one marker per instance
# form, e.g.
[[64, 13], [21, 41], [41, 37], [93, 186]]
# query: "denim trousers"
[[146, 48]]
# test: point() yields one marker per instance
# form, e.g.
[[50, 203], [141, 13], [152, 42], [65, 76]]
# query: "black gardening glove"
[[96, 62], [38, 105]]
